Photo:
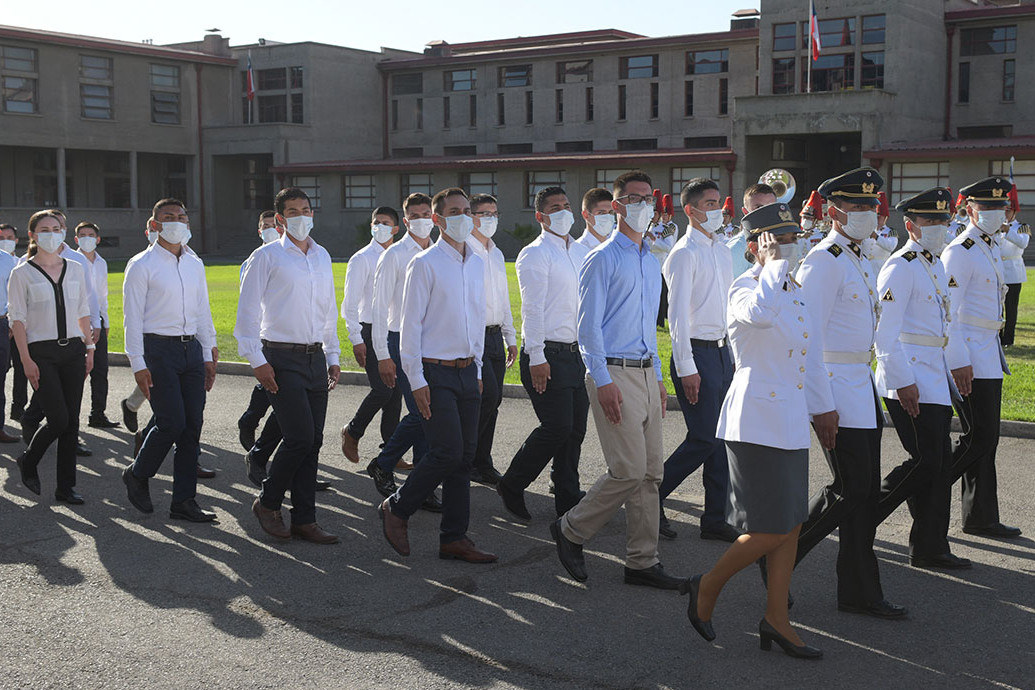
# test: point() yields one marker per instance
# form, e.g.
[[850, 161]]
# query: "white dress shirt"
[[166, 295], [99, 271], [588, 240], [841, 292], [356, 303], [443, 310], [497, 292], [7, 264], [699, 272], [548, 277], [1012, 244], [389, 278], [91, 292], [911, 333], [31, 297], [287, 296], [977, 291], [778, 382]]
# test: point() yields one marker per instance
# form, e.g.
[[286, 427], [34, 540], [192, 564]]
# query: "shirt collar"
[[624, 242], [846, 242], [377, 246], [475, 244], [698, 237], [559, 242], [413, 240], [286, 243], [453, 254]]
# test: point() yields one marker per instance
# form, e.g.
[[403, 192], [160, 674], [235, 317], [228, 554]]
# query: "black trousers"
[[494, 367], [267, 441], [300, 405], [663, 305], [60, 394], [849, 504], [6, 345], [973, 457], [381, 398], [1013, 295], [452, 435], [258, 405], [921, 481], [562, 410], [99, 375], [20, 384]]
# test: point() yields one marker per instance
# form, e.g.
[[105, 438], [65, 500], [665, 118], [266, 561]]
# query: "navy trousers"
[[380, 398], [409, 433]]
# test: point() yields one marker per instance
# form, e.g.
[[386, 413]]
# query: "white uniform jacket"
[[778, 382], [878, 250], [1012, 244]]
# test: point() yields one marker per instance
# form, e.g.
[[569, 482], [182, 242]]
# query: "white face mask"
[[381, 232], [789, 252], [561, 221], [989, 222], [299, 227], [860, 224], [8, 246], [487, 226], [50, 242], [175, 233], [712, 221], [459, 228], [270, 235], [87, 244], [603, 223], [420, 227], [932, 238], [152, 236], [638, 216]]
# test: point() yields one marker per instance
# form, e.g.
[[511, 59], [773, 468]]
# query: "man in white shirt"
[[287, 330], [441, 345], [357, 310], [1012, 242], [7, 264], [500, 336], [132, 403], [699, 272], [552, 371], [87, 237], [171, 344], [599, 218]]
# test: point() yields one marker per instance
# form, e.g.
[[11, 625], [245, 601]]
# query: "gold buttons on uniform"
[[805, 334], [796, 302], [914, 359], [801, 318], [801, 369], [799, 386], [855, 296], [803, 351], [773, 394], [871, 292]]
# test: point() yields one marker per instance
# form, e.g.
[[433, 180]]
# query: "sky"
[[402, 24]]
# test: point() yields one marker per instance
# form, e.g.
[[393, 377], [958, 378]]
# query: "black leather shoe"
[[488, 476], [384, 482], [513, 501], [996, 531], [665, 527], [30, 478], [69, 496], [81, 451], [322, 485], [101, 421], [727, 533], [945, 561], [129, 417], [692, 586], [432, 504], [256, 470], [137, 491], [246, 427], [878, 609], [763, 568], [189, 510], [569, 553], [654, 576], [767, 635]]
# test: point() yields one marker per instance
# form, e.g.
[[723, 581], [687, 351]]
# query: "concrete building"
[[926, 91]]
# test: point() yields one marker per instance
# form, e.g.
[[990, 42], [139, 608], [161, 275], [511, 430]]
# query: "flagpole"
[[251, 87], [808, 50]]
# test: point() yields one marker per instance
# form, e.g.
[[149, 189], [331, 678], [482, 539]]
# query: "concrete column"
[[61, 186], [134, 186]]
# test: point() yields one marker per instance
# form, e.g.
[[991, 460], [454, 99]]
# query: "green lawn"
[[1018, 392]]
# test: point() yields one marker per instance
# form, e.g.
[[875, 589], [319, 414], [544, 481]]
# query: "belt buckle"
[[721, 342], [62, 342], [186, 338]]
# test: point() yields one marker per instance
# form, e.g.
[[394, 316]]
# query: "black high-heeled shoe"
[[767, 635], [692, 587], [30, 478]]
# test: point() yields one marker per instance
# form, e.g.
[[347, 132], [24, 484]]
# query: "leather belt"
[[571, 347], [302, 348], [458, 363], [630, 363], [494, 329], [177, 338], [925, 340], [721, 342], [848, 357], [988, 324], [60, 342]]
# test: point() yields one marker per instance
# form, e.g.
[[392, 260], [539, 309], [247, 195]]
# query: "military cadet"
[[1013, 242], [879, 246], [959, 220], [978, 291], [913, 378], [812, 230], [840, 290], [661, 237], [728, 229], [755, 197], [599, 217]]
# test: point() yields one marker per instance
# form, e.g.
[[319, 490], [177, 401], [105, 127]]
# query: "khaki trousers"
[[635, 465]]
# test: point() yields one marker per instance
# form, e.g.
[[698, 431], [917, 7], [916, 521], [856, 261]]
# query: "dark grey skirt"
[[769, 487]]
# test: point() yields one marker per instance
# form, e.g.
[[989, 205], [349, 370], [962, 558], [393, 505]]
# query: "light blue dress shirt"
[[738, 245], [619, 294], [7, 264]]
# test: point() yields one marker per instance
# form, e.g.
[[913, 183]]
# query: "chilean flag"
[[814, 31], [250, 87]]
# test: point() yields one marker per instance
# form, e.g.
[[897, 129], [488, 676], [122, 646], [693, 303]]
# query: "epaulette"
[[967, 243], [1025, 229], [909, 256], [835, 249], [927, 255]]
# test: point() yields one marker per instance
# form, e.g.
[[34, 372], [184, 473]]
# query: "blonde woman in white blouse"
[[50, 321]]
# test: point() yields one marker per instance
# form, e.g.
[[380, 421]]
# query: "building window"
[[621, 101], [15, 59], [1023, 177], [413, 183], [19, 79], [407, 84], [513, 149], [115, 168], [985, 132], [541, 179], [295, 76], [95, 101], [445, 112], [713, 142], [501, 110], [639, 67], [395, 114], [708, 61], [589, 104], [258, 183], [606, 178], [459, 80], [175, 183], [272, 108], [272, 79], [296, 109], [908, 179], [359, 191], [783, 36], [872, 76], [95, 68], [407, 152], [783, 75], [479, 183], [724, 96], [680, 176], [460, 150], [832, 33], [528, 107], [573, 146], [988, 40], [515, 75], [165, 94], [873, 29], [285, 106], [832, 72], [44, 183], [1009, 72], [418, 107], [472, 111], [575, 72], [559, 104], [688, 99], [637, 144], [963, 83], [655, 100], [311, 186]]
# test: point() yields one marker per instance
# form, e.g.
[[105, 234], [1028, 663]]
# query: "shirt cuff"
[[536, 357], [257, 359], [686, 367], [601, 376], [333, 359], [136, 363], [356, 340], [206, 354]]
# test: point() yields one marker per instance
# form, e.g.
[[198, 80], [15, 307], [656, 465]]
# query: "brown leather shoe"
[[314, 533], [270, 521], [205, 473], [404, 466], [465, 550], [7, 438], [349, 445], [394, 528]]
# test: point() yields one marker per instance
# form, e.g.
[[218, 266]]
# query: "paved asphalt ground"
[[102, 596]]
